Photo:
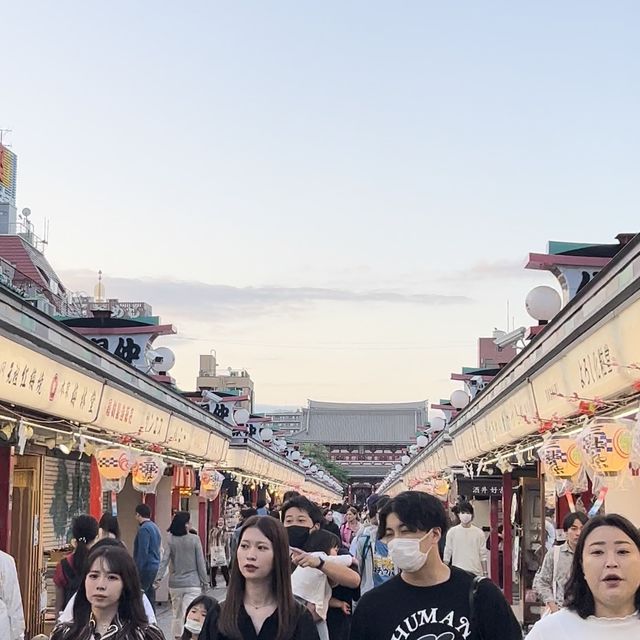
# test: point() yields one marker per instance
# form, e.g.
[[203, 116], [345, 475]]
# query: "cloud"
[[217, 301], [487, 270]]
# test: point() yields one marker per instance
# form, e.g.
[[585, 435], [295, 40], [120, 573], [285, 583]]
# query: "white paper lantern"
[[241, 416], [437, 424], [398, 467], [405, 459], [543, 303], [266, 434], [422, 441], [306, 463], [459, 399], [294, 455], [413, 449]]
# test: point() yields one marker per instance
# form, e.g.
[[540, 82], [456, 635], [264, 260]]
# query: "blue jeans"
[[146, 583]]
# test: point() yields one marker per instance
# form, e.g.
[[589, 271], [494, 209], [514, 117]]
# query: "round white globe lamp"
[[459, 399], [543, 303]]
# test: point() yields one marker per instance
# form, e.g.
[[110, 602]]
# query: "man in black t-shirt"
[[429, 600]]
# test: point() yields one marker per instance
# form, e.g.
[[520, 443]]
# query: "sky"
[[338, 196]]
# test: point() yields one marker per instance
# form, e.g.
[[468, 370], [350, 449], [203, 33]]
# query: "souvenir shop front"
[[74, 421]]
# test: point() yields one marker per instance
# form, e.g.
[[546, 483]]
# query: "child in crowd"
[[310, 585]]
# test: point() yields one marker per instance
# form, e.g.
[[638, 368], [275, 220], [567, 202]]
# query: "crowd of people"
[[395, 571]]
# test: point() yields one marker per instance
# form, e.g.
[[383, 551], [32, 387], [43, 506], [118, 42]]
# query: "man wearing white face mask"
[[466, 546], [428, 599]]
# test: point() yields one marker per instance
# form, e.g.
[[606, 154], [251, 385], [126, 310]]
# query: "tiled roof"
[[359, 470], [329, 422], [27, 260], [367, 406]]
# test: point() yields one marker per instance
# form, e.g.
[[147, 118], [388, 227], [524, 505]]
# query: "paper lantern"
[[113, 466], [210, 482], [459, 399], [184, 480], [607, 446], [146, 473], [542, 303], [561, 457]]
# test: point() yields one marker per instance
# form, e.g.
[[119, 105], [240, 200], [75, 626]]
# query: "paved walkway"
[[163, 612]]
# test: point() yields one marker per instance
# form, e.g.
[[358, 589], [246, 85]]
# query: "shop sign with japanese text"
[[125, 414], [35, 381], [480, 487]]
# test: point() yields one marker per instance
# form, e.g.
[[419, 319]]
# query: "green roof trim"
[[558, 248]]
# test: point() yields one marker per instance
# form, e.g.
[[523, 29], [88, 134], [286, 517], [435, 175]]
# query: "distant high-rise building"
[[233, 381]]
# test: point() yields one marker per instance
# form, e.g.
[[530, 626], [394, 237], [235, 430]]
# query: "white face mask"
[[406, 555], [466, 518], [193, 626]]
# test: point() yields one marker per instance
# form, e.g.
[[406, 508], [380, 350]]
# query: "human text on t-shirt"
[[431, 622]]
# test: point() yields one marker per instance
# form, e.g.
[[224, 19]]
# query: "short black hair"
[[290, 494], [304, 504], [143, 511], [261, 503], [322, 540], [178, 525], [571, 517], [465, 507], [248, 513], [375, 507], [577, 595], [417, 510]]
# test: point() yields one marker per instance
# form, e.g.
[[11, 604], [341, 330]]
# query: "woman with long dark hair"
[[109, 601], [259, 598], [219, 550], [109, 527], [188, 575], [70, 569], [67, 614], [602, 595]]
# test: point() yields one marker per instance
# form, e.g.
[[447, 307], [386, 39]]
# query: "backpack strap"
[[366, 545]]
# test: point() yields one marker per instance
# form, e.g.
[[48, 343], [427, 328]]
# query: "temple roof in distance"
[[366, 423]]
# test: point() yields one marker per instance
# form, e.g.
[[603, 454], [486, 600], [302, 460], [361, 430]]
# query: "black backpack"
[[72, 578]]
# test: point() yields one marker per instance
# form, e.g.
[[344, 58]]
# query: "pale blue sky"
[[350, 162]]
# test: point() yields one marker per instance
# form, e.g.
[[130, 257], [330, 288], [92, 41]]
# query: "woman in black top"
[[259, 603], [328, 524], [108, 604]]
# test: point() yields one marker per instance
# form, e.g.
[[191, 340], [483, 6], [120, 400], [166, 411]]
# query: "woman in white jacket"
[[11, 613], [602, 596]]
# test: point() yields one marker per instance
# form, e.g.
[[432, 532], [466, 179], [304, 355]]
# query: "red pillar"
[[202, 522], [7, 462], [150, 500], [175, 501], [494, 540], [95, 490], [507, 537], [215, 512]]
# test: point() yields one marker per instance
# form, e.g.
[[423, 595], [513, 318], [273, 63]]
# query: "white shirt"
[[11, 613], [466, 548], [568, 624], [67, 614]]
